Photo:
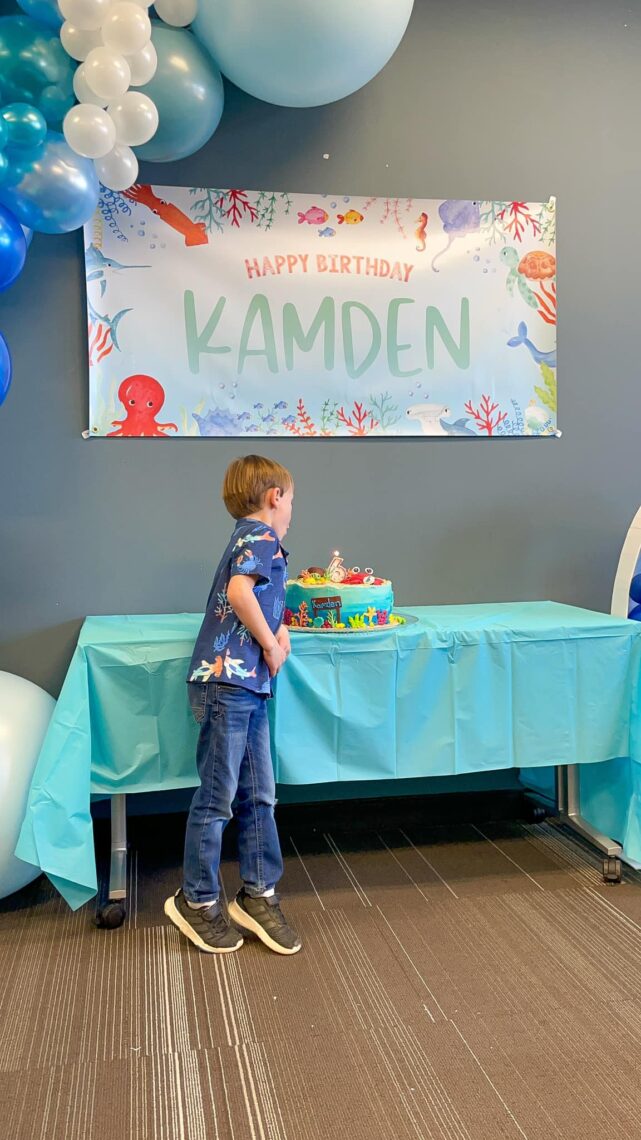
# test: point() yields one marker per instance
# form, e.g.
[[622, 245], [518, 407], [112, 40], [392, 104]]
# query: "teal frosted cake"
[[339, 599]]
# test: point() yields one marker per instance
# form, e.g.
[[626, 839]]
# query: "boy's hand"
[[282, 637], [275, 656]]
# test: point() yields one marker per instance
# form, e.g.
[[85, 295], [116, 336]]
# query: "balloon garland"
[[85, 84]]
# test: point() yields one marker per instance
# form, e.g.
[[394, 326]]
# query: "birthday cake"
[[339, 599]]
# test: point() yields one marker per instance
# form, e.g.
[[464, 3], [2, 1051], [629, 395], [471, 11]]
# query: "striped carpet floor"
[[459, 981]]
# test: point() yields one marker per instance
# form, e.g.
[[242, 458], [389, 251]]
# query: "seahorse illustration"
[[419, 232]]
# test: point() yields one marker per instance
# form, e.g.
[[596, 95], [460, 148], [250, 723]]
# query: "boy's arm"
[[242, 600]]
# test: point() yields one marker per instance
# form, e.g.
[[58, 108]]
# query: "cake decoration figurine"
[[339, 599]]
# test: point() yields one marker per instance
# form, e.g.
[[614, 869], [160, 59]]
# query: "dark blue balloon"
[[13, 248], [635, 614], [5, 369], [635, 588]]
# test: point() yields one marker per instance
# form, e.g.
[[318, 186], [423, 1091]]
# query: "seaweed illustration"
[[110, 205], [267, 206], [387, 411], [392, 209], [547, 394], [302, 423]]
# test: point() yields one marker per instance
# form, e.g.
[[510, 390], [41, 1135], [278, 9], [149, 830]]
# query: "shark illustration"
[[97, 264]]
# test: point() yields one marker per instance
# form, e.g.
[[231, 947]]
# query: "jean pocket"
[[198, 700]]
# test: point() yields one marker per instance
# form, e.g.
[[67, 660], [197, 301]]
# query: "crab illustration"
[[537, 266]]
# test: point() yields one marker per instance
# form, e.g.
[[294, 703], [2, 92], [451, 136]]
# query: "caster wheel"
[[535, 813], [111, 916], [612, 870]]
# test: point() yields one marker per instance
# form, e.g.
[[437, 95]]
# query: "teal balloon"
[[26, 126], [53, 191], [188, 92], [13, 248], [47, 11], [298, 54], [5, 369], [35, 68]]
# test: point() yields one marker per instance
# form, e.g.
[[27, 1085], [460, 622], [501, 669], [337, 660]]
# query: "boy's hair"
[[247, 481]]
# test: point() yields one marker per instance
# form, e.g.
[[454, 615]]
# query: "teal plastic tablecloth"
[[463, 689]]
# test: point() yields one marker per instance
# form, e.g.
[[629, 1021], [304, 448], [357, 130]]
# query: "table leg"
[[569, 809], [112, 914]]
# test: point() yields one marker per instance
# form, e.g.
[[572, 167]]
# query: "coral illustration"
[[356, 423], [517, 220], [217, 207], [486, 415]]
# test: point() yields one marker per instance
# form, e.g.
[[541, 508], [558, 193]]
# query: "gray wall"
[[499, 99]]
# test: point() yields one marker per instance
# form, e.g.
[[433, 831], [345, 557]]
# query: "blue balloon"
[[35, 68], [13, 249], [299, 54], [28, 235], [5, 369], [53, 191], [635, 588], [25, 126], [47, 11], [635, 614], [188, 92]]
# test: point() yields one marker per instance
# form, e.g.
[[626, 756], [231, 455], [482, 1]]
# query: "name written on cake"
[[324, 605]]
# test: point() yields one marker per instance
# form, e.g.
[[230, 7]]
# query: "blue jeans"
[[236, 778]]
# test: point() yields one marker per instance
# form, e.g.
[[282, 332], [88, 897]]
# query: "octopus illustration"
[[142, 398], [537, 266], [194, 233]]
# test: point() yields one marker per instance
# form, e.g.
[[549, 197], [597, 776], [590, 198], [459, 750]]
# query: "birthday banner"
[[238, 312]]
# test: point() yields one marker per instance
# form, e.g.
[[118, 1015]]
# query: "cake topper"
[[336, 571]]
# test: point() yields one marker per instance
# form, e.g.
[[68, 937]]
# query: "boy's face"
[[282, 506]]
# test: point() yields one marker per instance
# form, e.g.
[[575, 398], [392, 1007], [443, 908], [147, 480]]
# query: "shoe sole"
[[241, 918], [172, 912]]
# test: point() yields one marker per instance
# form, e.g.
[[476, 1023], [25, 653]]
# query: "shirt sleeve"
[[252, 555]]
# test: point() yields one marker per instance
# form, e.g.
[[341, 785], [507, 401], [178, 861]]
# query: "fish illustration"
[[315, 216], [351, 218], [96, 265], [194, 233], [234, 667], [103, 333], [281, 404], [459, 427], [327, 232], [253, 538], [419, 232], [538, 357]]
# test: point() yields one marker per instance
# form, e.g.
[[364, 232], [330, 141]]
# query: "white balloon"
[[89, 130], [83, 91], [25, 712], [178, 13], [136, 118], [107, 73], [143, 3], [84, 14], [78, 42], [118, 170], [126, 27], [143, 65]]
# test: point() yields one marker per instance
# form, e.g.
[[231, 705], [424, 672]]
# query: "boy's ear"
[[273, 497]]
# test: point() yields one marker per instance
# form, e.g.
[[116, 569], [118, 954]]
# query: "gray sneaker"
[[263, 917], [207, 927]]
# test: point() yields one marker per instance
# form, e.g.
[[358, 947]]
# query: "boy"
[[241, 646]]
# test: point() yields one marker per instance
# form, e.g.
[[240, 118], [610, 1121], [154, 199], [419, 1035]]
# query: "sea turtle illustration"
[[537, 266]]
